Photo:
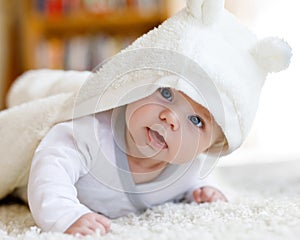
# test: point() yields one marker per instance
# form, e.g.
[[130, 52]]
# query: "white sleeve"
[[56, 167]]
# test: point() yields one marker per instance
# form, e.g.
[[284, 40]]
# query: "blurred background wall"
[[276, 130]]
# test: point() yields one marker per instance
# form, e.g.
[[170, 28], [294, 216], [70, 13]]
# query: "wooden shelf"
[[111, 22], [38, 27]]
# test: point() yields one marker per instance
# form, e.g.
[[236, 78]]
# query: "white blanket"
[[37, 100]]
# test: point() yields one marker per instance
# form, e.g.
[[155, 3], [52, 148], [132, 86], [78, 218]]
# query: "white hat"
[[202, 51]]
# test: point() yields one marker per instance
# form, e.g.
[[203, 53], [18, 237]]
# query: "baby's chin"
[[148, 151], [179, 159]]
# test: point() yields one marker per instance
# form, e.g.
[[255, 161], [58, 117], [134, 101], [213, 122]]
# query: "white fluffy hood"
[[202, 51]]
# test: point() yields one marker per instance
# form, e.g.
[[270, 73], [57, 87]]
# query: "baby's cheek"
[[190, 143]]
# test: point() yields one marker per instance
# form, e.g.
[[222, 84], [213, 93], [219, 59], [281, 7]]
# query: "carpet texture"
[[264, 204]]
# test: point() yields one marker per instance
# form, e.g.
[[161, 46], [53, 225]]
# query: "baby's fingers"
[[97, 226], [218, 196], [104, 221], [202, 195], [83, 231], [210, 194], [197, 195], [207, 194]]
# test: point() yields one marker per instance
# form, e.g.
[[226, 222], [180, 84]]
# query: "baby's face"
[[169, 126]]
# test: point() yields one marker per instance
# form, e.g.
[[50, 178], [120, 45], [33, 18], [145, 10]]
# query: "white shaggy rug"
[[264, 204]]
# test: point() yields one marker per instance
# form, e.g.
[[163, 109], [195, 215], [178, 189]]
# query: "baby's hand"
[[208, 194], [88, 224]]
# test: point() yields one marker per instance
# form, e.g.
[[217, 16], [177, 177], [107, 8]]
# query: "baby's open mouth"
[[156, 139]]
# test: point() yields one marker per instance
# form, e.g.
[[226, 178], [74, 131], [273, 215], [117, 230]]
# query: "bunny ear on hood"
[[272, 54], [206, 11], [203, 51]]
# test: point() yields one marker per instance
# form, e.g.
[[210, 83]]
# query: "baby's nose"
[[170, 118]]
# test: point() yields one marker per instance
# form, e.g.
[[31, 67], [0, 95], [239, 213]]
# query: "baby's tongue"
[[158, 138]]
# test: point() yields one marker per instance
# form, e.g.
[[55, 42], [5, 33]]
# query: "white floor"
[[264, 204]]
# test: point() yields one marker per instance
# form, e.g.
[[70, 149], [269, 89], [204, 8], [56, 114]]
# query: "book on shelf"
[[56, 8], [78, 53], [148, 6], [73, 6], [49, 54], [99, 6]]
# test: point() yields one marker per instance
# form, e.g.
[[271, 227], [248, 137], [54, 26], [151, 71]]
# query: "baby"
[[150, 134], [161, 133]]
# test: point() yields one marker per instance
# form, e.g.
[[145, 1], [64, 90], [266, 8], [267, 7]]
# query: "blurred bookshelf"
[[80, 34]]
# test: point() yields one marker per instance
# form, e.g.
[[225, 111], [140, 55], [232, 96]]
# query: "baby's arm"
[[56, 167]]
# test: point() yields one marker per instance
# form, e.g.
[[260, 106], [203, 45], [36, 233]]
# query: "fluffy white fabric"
[[265, 204], [273, 54], [207, 11], [38, 100]]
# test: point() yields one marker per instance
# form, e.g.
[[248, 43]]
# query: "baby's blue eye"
[[196, 120], [166, 93]]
